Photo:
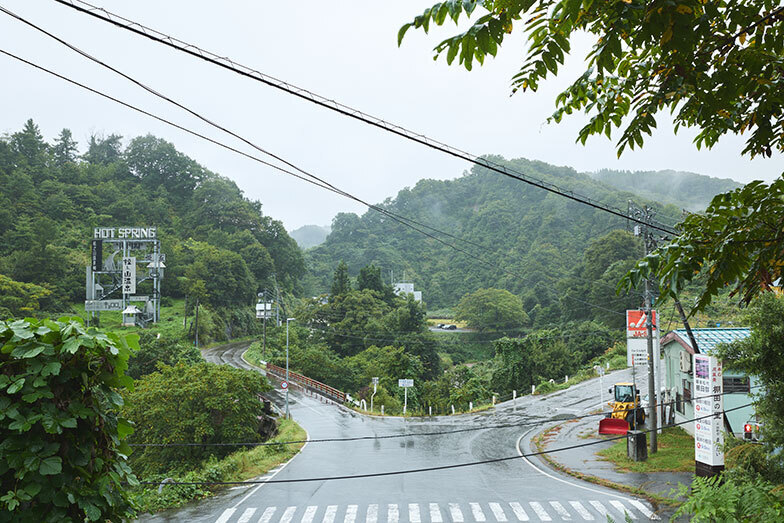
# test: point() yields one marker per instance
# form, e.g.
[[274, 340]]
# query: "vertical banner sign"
[[129, 275], [96, 257], [708, 431], [637, 337]]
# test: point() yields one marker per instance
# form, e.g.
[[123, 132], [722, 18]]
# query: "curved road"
[[512, 490]]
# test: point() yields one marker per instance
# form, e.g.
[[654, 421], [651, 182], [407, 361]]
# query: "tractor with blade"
[[627, 411]]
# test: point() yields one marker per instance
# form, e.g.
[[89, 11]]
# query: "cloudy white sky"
[[342, 50]]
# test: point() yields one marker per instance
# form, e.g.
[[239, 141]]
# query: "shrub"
[[199, 403], [62, 454]]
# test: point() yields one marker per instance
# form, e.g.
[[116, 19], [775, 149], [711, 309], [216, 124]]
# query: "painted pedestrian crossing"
[[545, 510]]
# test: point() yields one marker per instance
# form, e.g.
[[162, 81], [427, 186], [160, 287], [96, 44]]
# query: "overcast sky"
[[342, 50]]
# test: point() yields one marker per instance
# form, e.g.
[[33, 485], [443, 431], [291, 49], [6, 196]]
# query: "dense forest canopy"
[[218, 243], [538, 242]]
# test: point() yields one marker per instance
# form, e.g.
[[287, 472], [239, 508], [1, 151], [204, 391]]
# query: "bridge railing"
[[317, 386]]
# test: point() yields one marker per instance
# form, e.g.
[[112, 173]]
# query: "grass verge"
[[675, 454], [541, 441], [239, 466]]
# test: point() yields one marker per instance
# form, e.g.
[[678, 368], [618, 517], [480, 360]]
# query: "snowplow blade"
[[613, 426]]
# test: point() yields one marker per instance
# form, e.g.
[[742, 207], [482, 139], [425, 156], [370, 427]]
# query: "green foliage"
[[63, 454], [717, 499], [492, 309], [735, 242], [17, 298], [200, 403], [241, 465], [217, 241], [760, 355], [714, 65], [340, 282], [536, 243], [154, 350]]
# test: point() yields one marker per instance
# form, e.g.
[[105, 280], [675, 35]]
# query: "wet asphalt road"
[[510, 490]]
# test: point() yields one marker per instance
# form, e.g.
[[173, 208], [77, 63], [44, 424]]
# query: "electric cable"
[[317, 182], [440, 467], [312, 97], [415, 434]]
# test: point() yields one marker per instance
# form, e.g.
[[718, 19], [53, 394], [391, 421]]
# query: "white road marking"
[[310, 513], [498, 512], [288, 515], [540, 511], [621, 508], [477, 510], [351, 514], [642, 508], [582, 510], [556, 478], [329, 514], [561, 510], [223, 518], [372, 514], [393, 514], [413, 513], [519, 511], [435, 513], [601, 509], [245, 517], [457, 514], [267, 515], [269, 475]]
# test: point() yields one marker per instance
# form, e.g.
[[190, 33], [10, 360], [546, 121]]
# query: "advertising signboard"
[[636, 324], [103, 305], [129, 275], [96, 255], [708, 391]]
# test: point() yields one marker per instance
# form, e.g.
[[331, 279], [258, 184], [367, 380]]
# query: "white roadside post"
[[375, 384], [600, 371], [287, 366], [405, 384]]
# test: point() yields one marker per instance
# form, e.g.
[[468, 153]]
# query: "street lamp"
[[287, 366]]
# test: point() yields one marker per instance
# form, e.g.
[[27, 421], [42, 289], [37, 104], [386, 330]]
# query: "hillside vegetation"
[[551, 251], [219, 245]]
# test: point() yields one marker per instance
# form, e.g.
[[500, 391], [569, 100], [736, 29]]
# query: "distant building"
[[401, 289], [678, 352]]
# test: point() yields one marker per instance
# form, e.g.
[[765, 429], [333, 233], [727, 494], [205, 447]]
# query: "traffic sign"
[[405, 383], [284, 385]]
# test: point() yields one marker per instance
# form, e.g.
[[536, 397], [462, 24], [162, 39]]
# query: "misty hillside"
[[690, 191], [531, 242], [309, 236]]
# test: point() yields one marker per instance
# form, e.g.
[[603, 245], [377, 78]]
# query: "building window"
[[679, 402], [733, 384], [687, 390]]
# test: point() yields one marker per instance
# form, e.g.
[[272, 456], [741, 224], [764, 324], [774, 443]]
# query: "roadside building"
[[401, 289], [679, 383]]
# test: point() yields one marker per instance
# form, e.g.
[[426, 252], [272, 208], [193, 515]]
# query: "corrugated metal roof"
[[708, 339]]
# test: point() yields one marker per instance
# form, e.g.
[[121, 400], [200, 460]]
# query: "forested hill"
[[691, 191], [309, 236], [534, 241], [218, 243]]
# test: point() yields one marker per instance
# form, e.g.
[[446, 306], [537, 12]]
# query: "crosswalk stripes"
[[576, 505], [245, 517], [329, 514], [435, 513], [472, 511]]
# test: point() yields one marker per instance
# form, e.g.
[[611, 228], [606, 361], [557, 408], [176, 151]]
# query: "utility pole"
[[197, 323], [645, 214], [288, 384]]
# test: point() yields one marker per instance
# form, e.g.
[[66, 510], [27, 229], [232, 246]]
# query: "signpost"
[[375, 384], [129, 275], [708, 431], [405, 384]]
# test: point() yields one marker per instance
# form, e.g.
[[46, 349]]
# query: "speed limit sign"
[[284, 385]]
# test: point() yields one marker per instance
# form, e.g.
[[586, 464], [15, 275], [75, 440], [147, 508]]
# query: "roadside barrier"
[[304, 381]]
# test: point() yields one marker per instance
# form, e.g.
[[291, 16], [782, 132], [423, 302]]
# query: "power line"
[[345, 110], [436, 468], [412, 434], [312, 179]]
